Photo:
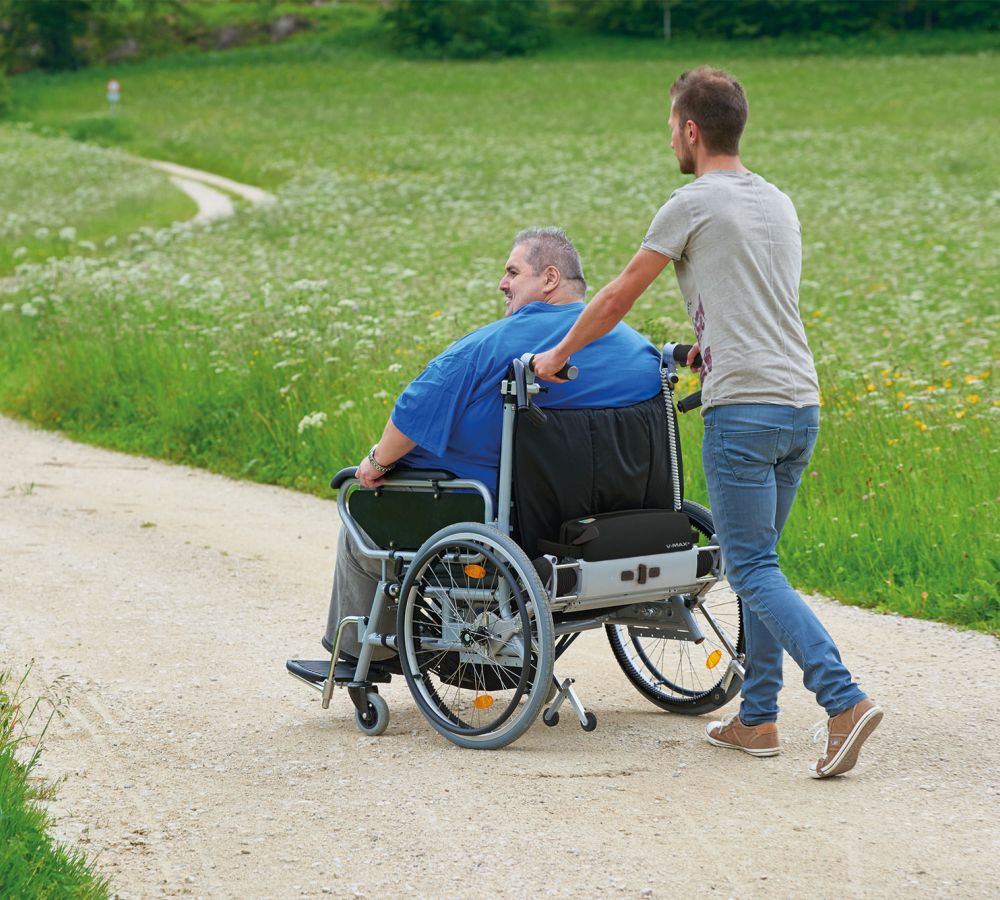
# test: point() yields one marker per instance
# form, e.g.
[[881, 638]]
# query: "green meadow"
[[271, 345]]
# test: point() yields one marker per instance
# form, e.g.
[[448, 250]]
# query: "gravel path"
[[165, 601], [201, 188]]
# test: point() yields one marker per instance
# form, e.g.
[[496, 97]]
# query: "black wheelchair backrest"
[[583, 462]]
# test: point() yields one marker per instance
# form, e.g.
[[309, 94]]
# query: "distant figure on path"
[[114, 94], [736, 246]]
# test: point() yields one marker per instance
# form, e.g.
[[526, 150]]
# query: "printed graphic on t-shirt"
[[699, 330]]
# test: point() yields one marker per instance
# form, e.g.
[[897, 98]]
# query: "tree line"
[[66, 34]]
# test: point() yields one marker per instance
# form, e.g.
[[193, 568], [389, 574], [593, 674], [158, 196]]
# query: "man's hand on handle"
[[692, 356], [548, 365]]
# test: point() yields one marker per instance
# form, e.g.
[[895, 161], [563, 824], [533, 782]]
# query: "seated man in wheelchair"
[[496, 520], [449, 417]]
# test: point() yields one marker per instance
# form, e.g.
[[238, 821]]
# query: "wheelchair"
[[591, 530]]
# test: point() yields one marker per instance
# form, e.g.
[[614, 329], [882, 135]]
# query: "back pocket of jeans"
[[751, 454]]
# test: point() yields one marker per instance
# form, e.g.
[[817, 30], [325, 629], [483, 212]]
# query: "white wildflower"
[[20, 251], [313, 420], [68, 233], [29, 309]]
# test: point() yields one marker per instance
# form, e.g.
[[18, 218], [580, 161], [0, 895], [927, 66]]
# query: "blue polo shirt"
[[453, 409]]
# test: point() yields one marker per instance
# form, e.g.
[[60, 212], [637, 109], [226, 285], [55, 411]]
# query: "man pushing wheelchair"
[[477, 614]]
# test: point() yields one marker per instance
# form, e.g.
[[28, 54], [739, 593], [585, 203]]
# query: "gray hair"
[[550, 247]]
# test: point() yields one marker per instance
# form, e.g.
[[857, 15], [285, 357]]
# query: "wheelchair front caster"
[[591, 722], [550, 719], [375, 718]]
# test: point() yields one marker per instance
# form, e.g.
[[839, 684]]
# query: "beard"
[[685, 160]]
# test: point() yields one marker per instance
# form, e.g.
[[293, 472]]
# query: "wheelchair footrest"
[[315, 670]]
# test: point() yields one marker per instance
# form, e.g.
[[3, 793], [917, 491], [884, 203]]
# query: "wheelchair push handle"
[[691, 401], [681, 352], [568, 372]]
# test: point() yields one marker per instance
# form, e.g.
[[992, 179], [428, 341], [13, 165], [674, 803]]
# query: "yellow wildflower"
[[907, 405], [973, 398], [920, 425], [870, 388], [946, 362]]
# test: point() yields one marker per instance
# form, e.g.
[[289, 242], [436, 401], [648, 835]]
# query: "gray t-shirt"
[[737, 248]]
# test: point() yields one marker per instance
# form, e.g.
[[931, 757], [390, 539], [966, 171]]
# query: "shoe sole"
[[763, 751], [847, 756]]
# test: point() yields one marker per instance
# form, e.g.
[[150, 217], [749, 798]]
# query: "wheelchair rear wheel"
[[475, 636], [680, 676]]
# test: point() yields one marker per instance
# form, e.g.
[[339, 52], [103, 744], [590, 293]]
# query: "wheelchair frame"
[[633, 612]]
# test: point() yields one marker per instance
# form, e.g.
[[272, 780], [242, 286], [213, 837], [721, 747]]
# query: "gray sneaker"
[[845, 733], [757, 740]]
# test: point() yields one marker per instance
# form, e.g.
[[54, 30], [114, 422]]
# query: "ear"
[[552, 277], [692, 132]]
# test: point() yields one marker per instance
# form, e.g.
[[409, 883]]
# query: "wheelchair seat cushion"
[[584, 462]]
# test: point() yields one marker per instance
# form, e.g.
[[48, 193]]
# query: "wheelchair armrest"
[[409, 474], [343, 475]]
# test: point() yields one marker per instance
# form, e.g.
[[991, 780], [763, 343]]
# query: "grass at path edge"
[[32, 863]]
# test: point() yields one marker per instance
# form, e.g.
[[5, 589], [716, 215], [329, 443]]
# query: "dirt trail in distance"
[[166, 600]]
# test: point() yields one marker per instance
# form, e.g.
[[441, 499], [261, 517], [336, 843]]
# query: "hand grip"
[[691, 401], [681, 352], [568, 372]]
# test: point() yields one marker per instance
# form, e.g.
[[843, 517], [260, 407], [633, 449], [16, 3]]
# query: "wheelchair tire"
[[376, 719], [679, 676], [475, 636]]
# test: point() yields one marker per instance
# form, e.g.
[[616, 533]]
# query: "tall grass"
[[32, 864], [399, 186]]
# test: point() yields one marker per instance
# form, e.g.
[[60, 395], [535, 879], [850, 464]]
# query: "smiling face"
[[681, 144], [520, 284]]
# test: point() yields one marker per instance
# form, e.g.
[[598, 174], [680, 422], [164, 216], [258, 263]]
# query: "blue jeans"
[[754, 455]]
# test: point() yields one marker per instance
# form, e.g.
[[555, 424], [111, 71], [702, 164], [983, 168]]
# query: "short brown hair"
[[715, 102]]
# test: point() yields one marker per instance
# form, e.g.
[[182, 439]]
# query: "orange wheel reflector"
[[713, 659], [483, 701], [475, 571]]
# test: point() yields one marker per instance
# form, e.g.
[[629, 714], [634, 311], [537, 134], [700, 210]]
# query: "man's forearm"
[[393, 445], [605, 311]]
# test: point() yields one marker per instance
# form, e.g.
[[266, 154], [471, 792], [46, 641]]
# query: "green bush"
[[4, 95], [469, 29], [770, 18]]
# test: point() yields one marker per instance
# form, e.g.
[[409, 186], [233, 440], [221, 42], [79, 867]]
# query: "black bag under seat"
[[616, 535]]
